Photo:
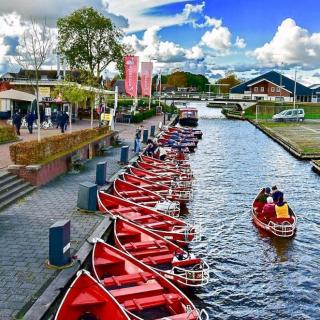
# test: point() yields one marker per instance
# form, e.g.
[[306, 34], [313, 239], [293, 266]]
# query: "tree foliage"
[[90, 41], [230, 80], [178, 79]]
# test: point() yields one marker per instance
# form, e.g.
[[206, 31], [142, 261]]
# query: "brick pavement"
[[24, 229]]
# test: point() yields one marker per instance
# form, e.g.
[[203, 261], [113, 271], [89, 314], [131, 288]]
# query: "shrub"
[[34, 152], [7, 133], [143, 115]]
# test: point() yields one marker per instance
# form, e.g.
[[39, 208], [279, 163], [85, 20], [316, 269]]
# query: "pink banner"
[[131, 75], [146, 78]]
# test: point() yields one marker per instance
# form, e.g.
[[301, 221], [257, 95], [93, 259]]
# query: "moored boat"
[[87, 299], [166, 226], [160, 178], [173, 194], [179, 266], [188, 116], [145, 197], [142, 292], [284, 229]]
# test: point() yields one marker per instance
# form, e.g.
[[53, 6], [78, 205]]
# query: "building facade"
[[271, 86]]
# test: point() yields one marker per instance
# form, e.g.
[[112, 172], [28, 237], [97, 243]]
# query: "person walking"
[[62, 122], [16, 120], [65, 117], [30, 117], [137, 141]]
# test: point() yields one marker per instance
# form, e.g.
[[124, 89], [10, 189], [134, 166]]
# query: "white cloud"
[[208, 22], [290, 45], [240, 43], [219, 38], [189, 9], [151, 47]]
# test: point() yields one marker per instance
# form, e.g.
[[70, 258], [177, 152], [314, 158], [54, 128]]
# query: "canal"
[[253, 276]]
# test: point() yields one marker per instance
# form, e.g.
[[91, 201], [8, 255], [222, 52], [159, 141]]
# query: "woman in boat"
[[269, 210], [282, 209], [162, 153]]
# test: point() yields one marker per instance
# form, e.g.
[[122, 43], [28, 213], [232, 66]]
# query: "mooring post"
[[145, 135], [124, 155], [101, 173], [152, 131], [59, 243], [87, 196]]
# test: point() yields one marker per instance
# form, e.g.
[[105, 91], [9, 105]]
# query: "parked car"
[[289, 115]]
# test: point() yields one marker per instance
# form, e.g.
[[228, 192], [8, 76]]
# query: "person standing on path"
[[16, 120], [65, 118], [137, 141], [30, 119], [62, 123]]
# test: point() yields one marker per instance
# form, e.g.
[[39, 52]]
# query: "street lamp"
[[295, 88]]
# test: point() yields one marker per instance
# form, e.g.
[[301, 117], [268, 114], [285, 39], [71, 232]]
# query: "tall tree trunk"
[[38, 107]]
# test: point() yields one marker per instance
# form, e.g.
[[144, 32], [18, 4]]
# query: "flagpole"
[[160, 90], [150, 89]]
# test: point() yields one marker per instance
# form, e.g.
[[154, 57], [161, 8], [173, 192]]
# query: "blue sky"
[[211, 36]]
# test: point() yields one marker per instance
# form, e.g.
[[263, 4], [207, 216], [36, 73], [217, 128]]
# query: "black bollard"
[[145, 135], [101, 173], [124, 156], [87, 196]]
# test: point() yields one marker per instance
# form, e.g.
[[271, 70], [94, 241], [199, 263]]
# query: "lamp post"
[[295, 89]]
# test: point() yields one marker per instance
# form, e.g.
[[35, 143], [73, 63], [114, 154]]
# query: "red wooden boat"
[[170, 163], [283, 229], [145, 197], [172, 194], [166, 226], [166, 143], [164, 171], [180, 137], [142, 292], [176, 264], [88, 299], [154, 177], [196, 132]]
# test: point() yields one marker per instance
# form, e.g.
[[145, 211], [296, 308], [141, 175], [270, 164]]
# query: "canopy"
[[17, 95]]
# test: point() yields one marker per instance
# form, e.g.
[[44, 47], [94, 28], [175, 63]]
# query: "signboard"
[[106, 117], [131, 75], [47, 112], [146, 78], [44, 91]]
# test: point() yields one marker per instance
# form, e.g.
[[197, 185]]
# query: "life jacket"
[[282, 211]]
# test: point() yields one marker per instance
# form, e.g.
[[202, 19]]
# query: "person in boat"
[[269, 210], [282, 209], [150, 149], [265, 194], [274, 189], [162, 153]]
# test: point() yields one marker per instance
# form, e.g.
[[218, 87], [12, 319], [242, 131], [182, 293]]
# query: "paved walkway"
[[24, 230]]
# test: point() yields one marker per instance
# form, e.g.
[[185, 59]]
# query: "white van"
[[289, 115]]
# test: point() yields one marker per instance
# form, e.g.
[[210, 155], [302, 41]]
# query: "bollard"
[[59, 243], [124, 156], [145, 135], [101, 173], [153, 131], [87, 196]]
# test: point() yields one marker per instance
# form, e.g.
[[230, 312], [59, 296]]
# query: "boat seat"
[[100, 261], [145, 198], [165, 258], [151, 302], [186, 262], [124, 294], [127, 279], [144, 217], [87, 299], [124, 234], [150, 252], [158, 224], [144, 244], [182, 316]]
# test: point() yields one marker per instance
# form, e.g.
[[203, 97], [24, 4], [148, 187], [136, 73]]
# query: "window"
[[256, 89], [278, 89], [262, 89], [272, 89]]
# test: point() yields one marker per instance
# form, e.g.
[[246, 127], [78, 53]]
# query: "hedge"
[[34, 152], [7, 133], [143, 115]]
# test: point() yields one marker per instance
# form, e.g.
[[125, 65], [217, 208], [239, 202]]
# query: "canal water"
[[253, 275]]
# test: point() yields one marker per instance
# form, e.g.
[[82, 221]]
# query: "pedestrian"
[[16, 120], [62, 123], [65, 117], [137, 141], [30, 117], [58, 119]]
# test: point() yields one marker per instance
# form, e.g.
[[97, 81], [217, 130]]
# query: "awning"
[[17, 95]]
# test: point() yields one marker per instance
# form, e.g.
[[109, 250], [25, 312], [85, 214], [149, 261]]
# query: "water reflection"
[[254, 276]]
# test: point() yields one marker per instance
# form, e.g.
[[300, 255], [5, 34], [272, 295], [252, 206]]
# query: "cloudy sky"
[[210, 37]]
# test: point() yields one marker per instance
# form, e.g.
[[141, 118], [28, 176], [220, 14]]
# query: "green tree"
[[178, 79], [229, 81], [90, 41]]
